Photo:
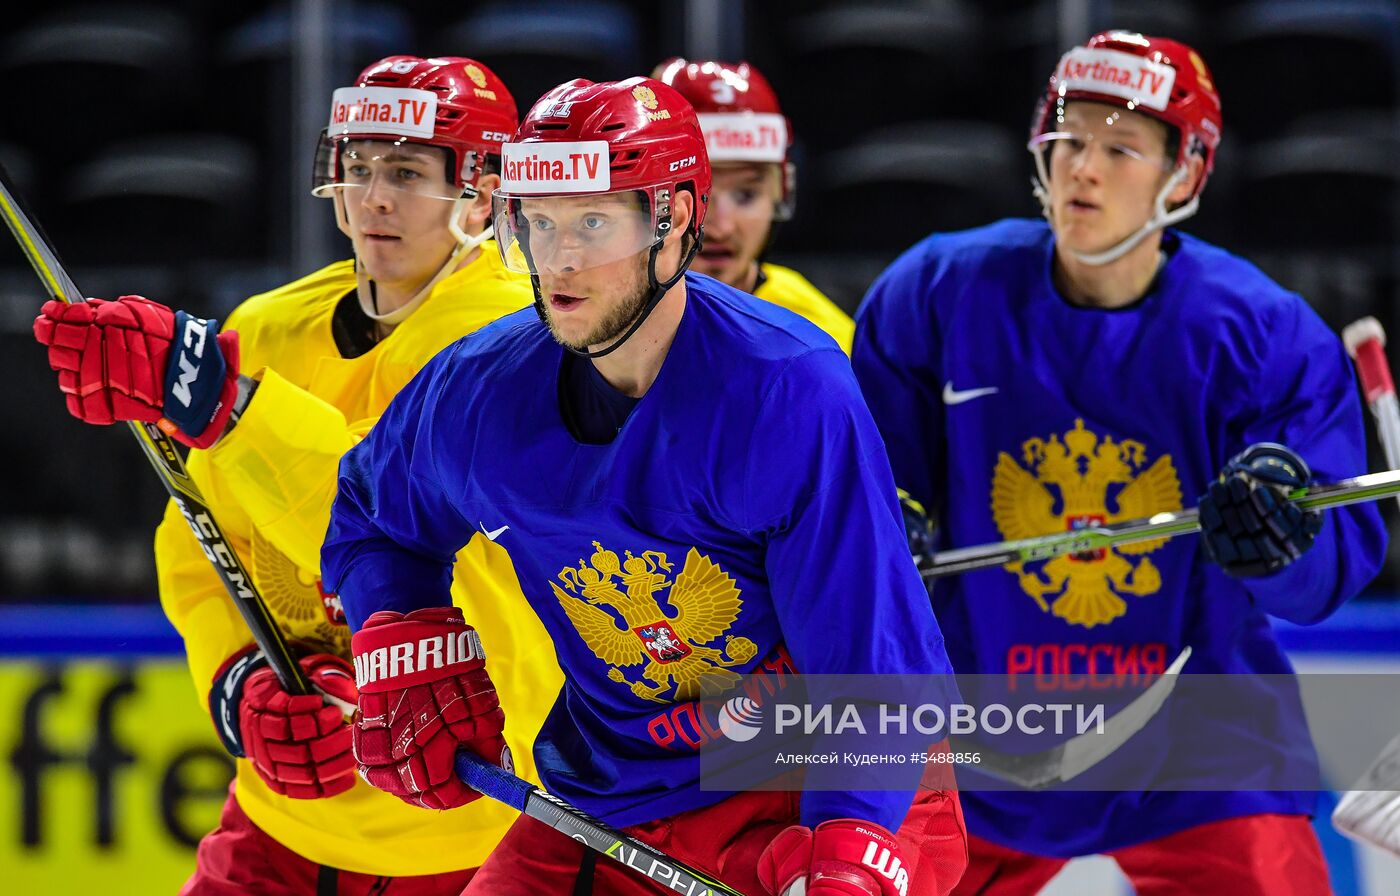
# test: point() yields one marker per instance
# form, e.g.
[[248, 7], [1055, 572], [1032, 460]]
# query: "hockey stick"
[[161, 452], [1365, 342], [1370, 487], [1062, 762], [504, 787], [185, 493], [1370, 811]]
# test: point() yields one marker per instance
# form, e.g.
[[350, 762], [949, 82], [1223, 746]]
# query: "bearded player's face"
[[590, 254], [743, 203]]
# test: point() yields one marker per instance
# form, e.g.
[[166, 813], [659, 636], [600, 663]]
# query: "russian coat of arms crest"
[[616, 606], [1072, 481]]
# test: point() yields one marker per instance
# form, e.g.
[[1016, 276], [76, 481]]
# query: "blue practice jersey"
[[1015, 413], [743, 519]]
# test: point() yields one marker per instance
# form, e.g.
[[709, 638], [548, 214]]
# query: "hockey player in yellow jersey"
[[298, 375], [748, 139]]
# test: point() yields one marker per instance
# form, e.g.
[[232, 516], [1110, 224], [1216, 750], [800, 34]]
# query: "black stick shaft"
[[502, 786], [1370, 487], [166, 460]]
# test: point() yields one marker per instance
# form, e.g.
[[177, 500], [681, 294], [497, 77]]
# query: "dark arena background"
[[167, 150]]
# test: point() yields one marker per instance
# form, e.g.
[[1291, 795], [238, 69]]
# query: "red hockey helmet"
[[739, 115], [618, 137], [451, 102], [1155, 76]]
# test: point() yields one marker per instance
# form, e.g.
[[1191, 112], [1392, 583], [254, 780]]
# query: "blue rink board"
[[86, 630]]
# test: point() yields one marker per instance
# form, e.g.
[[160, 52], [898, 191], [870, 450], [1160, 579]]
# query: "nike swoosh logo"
[[952, 397], [492, 534]]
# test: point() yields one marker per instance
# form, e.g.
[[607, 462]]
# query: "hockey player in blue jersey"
[[644, 437], [1030, 377]]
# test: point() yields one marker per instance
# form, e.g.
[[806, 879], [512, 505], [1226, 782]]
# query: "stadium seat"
[[114, 70], [361, 34], [174, 197], [64, 533], [257, 64], [1326, 190], [535, 45], [1320, 211], [849, 69], [1023, 44], [906, 181], [1163, 18], [24, 172], [1279, 60]]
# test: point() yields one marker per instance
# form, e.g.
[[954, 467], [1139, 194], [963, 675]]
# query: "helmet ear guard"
[[787, 199]]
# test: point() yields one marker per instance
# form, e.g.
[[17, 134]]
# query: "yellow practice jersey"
[[270, 483], [785, 287]]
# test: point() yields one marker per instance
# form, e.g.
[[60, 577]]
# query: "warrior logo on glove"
[[842, 857], [428, 655], [424, 695]]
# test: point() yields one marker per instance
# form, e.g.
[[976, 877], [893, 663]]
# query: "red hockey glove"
[[844, 857], [300, 745], [134, 359], [424, 694]]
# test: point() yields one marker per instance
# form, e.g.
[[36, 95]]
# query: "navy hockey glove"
[[1248, 525], [917, 528]]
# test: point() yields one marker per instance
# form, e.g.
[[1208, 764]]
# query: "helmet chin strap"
[[367, 293], [658, 288], [1161, 217], [658, 292]]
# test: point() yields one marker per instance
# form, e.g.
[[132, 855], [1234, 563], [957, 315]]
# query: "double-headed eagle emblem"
[[645, 95], [303, 609], [1082, 480], [673, 649]]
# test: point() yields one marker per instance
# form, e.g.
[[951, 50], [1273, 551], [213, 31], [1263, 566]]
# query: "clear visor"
[[750, 192], [1074, 144], [566, 234], [356, 165]]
